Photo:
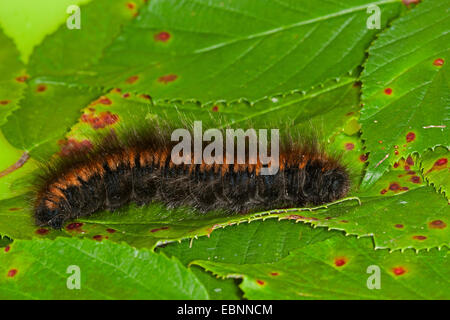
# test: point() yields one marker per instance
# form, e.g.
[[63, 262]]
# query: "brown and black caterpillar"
[[138, 168]]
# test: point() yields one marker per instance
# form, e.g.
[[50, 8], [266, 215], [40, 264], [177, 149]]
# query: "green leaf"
[[16, 222], [65, 51], [107, 270], [435, 169], [255, 242], [29, 128], [15, 168], [338, 269], [248, 243], [406, 88], [28, 22], [12, 72], [415, 219], [326, 109], [218, 288], [350, 150], [227, 50], [69, 50]]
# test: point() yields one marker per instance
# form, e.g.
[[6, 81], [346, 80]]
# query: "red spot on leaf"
[[419, 238], [162, 36], [15, 209], [410, 161], [441, 162], [215, 108], [437, 224], [132, 79], [411, 136], [108, 118], [42, 231], [398, 271], [439, 165], [383, 191], [399, 226], [339, 262], [126, 95], [146, 96], [98, 237], [394, 186], [415, 179], [363, 158], [75, 226], [131, 5], [41, 88], [349, 146], [12, 273], [111, 230], [105, 101], [344, 221], [295, 217], [167, 78], [159, 229], [71, 146], [7, 248], [4, 102], [396, 165], [274, 274], [388, 91], [438, 62], [104, 119], [260, 282], [408, 2], [22, 78]]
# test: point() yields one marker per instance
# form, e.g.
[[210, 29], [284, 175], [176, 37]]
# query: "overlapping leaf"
[[28, 22], [406, 88], [64, 52], [248, 243], [436, 169], [256, 242], [29, 128], [11, 177], [67, 51], [12, 77], [227, 50], [343, 268], [106, 270]]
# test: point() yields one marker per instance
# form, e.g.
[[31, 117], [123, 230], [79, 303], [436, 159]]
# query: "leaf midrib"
[[293, 25]]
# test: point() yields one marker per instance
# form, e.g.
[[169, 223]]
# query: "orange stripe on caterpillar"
[[115, 173]]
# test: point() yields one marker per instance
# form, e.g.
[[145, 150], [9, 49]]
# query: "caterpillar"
[[139, 169]]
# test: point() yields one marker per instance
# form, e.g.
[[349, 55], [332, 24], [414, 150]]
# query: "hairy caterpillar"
[[138, 168]]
